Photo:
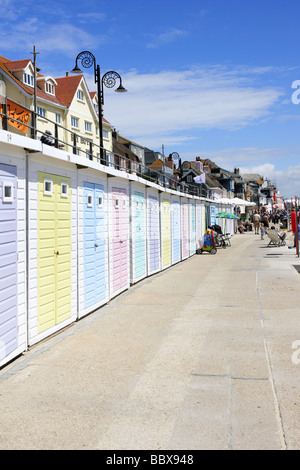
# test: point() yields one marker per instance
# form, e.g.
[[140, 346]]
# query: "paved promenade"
[[197, 357]]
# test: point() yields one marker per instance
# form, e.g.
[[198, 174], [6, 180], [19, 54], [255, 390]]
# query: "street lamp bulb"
[[121, 89], [76, 69]]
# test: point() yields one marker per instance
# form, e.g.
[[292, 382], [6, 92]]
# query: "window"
[[89, 155], [28, 79], [74, 122], [64, 189], [80, 96], [48, 187], [41, 111], [57, 118], [7, 192], [110, 159], [100, 201], [105, 134], [87, 126], [90, 200], [49, 88]]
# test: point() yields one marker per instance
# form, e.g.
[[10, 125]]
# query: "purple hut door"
[[8, 261]]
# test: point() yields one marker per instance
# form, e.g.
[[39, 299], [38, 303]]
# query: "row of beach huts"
[[74, 234]]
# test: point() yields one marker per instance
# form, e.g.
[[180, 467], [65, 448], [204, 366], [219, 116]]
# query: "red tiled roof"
[[66, 88], [16, 64], [4, 64], [41, 94], [9, 65]]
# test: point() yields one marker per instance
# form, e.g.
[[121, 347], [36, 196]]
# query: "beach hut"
[[185, 240], [13, 321], [138, 232], [52, 242], [199, 223], [192, 226], [175, 214], [92, 241], [165, 221], [213, 212], [119, 249], [153, 231]]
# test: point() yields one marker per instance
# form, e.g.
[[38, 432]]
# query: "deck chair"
[[275, 238]]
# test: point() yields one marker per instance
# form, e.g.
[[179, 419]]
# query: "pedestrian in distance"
[[47, 139], [262, 231], [256, 222]]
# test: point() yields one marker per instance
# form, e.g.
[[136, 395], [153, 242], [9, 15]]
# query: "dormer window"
[[47, 84], [49, 88], [28, 79]]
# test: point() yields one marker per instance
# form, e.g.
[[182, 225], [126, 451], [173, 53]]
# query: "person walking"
[[256, 222], [262, 231]]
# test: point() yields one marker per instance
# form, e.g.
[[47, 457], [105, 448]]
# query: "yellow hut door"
[[54, 250]]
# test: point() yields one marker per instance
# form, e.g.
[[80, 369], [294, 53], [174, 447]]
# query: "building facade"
[[64, 106]]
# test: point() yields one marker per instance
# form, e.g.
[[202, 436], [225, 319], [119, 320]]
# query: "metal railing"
[[93, 150]]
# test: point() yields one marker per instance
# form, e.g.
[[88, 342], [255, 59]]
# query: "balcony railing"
[[69, 140]]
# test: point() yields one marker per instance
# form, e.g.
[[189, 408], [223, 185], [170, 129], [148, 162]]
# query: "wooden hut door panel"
[[166, 242], [120, 238], [8, 260], [153, 216], [176, 230], [185, 230], [139, 227], [193, 228], [54, 250], [94, 244]]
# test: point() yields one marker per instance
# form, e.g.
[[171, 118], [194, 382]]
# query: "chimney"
[[67, 74], [199, 164]]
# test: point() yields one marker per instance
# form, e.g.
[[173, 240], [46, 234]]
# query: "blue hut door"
[[94, 244], [193, 228], [213, 215], [8, 261]]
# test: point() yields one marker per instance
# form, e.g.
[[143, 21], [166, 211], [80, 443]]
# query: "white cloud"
[[166, 38], [287, 181], [255, 157], [270, 163], [177, 103], [8, 10], [65, 38], [91, 17]]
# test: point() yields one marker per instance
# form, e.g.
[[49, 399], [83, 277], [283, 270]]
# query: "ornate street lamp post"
[[109, 80]]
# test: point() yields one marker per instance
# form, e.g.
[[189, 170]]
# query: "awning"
[[235, 201], [242, 202]]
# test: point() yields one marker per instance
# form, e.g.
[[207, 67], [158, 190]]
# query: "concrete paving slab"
[[197, 357]]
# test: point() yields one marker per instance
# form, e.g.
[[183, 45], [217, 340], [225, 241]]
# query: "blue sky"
[[210, 77]]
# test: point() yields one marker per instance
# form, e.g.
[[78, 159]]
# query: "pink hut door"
[[120, 238]]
